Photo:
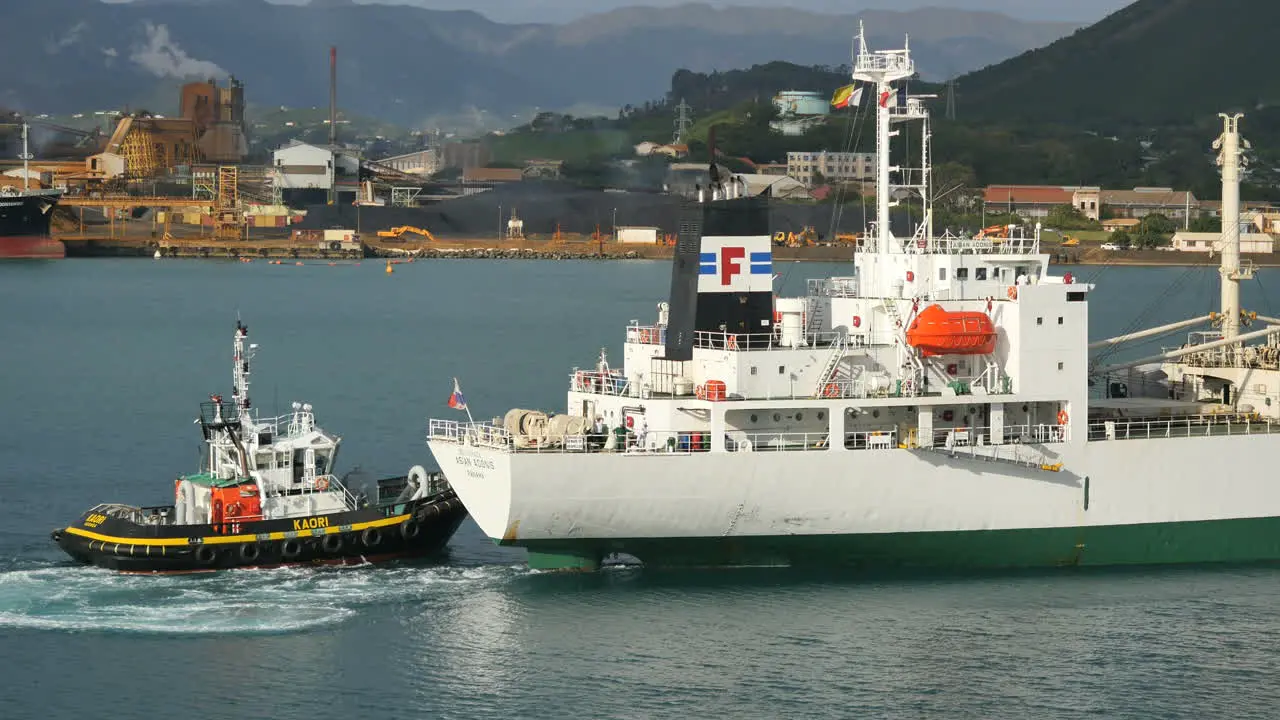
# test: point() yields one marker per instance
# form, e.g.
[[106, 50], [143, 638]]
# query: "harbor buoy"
[[389, 269]]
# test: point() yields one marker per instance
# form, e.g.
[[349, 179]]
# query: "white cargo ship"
[[937, 408]]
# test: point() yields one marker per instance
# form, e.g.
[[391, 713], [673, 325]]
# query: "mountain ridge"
[[407, 65]]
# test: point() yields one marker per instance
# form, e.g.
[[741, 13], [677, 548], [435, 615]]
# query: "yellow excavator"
[[1070, 240], [397, 233], [807, 237]]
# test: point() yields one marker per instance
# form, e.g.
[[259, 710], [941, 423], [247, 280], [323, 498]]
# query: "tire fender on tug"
[[249, 552], [290, 549], [410, 529], [206, 555], [331, 543], [371, 537]]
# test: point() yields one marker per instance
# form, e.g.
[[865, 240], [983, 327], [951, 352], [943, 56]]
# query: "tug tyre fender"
[[331, 543], [410, 529], [206, 555], [291, 549], [249, 552], [371, 537]]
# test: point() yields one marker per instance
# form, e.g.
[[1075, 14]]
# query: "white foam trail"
[[237, 602]]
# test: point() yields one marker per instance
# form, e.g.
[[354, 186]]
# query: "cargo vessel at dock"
[[25, 216], [942, 406], [266, 496]]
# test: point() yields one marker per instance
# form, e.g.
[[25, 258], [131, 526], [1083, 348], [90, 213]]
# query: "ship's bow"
[[476, 460]]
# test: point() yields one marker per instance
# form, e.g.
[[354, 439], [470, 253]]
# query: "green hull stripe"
[[1239, 540]]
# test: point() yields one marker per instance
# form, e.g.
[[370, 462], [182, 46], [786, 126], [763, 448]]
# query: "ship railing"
[[327, 484], [647, 334], [469, 433], [1182, 426], [600, 383], [985, 435], [844, 287], [719, 340]]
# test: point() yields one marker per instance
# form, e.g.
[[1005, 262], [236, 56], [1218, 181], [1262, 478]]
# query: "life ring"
[[206, 555], [249, 552], [1062, 417], [331, 543], [410, 529], [290, 549], [1013, 292], [321, 484], [831, 390], [732, 342], [371, 537]]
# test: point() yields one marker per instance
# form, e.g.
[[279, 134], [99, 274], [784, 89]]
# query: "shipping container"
[[647, 235]]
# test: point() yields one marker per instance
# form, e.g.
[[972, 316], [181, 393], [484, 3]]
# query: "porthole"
[[754, 418], [823, 416], [875, 413], [799, 417], [777, 417]]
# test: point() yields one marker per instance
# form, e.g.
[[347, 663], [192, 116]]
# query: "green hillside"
[[1153, 63]]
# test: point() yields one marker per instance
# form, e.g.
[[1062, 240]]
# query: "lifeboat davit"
[[936, 331]]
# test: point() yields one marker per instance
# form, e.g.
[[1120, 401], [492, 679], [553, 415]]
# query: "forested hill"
[[1152, 63]]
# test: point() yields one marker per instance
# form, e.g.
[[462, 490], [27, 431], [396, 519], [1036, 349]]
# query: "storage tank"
[[801, 103]]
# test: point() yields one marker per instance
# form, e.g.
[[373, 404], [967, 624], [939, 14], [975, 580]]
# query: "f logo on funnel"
[[730, 264]]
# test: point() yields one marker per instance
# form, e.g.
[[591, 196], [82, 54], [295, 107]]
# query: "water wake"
[[238, 602]]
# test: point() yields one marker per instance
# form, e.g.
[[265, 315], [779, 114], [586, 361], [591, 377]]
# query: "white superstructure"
[[932, 408]]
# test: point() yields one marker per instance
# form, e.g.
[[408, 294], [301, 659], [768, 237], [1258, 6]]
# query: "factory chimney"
[[333, 95]]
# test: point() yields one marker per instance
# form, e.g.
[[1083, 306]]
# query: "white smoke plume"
[[162, 57], [71, 37]]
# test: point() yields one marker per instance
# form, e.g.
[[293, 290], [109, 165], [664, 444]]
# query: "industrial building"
[[1213, 242], [309, 174], [1036, 201], [424, 162], [218, 115], [1141, 202], [838, 167]]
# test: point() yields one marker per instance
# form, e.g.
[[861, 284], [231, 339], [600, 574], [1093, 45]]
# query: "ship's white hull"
[[1118, 501]]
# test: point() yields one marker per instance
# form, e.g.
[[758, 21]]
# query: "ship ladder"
[[827, 377]]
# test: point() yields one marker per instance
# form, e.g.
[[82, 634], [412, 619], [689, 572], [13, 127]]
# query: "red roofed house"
[[1035, 201]]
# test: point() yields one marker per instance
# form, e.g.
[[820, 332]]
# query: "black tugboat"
[[267, 497]]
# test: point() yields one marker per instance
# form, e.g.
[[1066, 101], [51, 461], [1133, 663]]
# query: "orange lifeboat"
[[936, 331]]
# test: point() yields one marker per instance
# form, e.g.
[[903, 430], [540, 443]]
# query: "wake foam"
[[235, 602]]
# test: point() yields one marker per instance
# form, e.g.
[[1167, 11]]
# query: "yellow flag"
[[843, 96]]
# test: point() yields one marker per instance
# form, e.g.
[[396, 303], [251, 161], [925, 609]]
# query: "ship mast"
[[1231, 160], [26, 159], [882, 68], [240, 371]]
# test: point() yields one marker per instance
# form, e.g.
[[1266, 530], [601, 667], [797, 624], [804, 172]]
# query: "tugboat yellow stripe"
[[223, 539]]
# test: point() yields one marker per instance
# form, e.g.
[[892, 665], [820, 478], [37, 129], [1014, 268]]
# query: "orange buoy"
[[936, 331]]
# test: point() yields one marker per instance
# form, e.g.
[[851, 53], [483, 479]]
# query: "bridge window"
[[942, 273], [980, 273], [962, 273]]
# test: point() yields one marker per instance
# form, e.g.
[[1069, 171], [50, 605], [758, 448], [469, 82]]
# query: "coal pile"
[[544, 205]]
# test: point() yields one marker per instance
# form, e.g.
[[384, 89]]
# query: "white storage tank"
[[801, 103]]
